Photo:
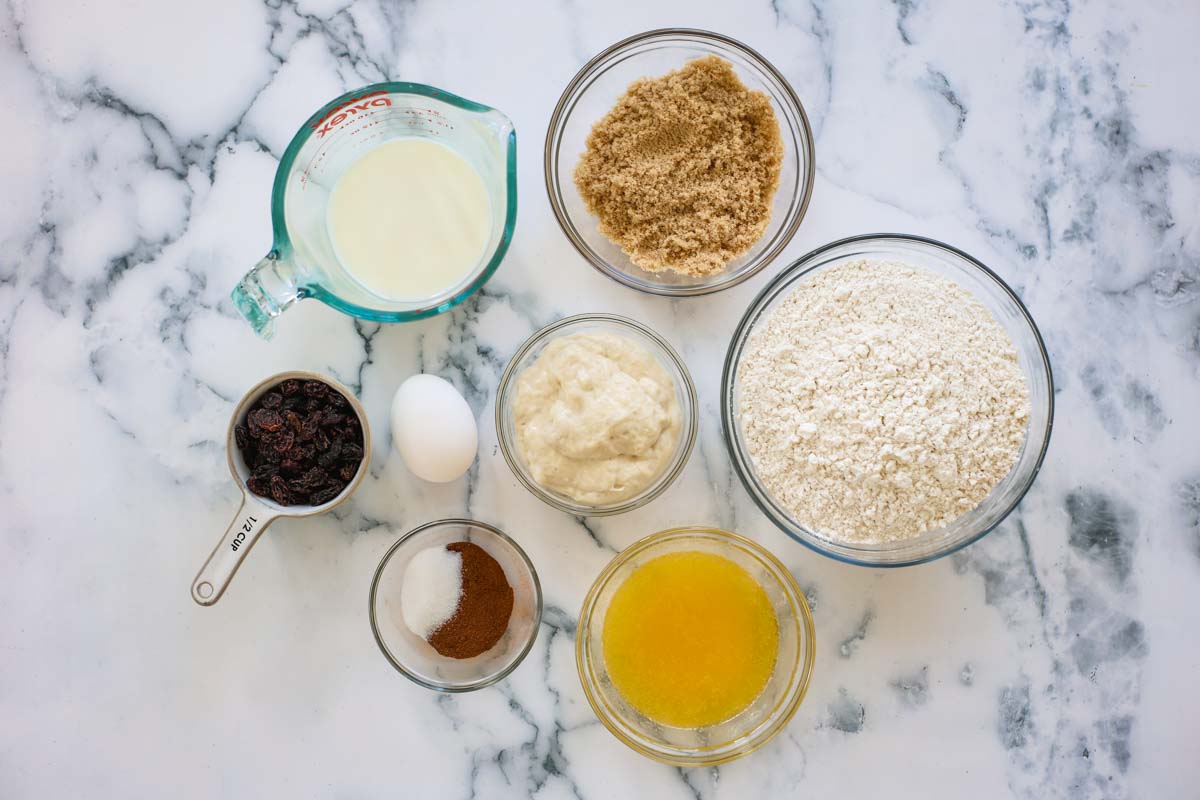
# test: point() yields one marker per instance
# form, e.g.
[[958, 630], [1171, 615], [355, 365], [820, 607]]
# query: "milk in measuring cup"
[[410, 219]]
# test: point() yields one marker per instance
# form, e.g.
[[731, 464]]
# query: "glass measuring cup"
[[303, 261]]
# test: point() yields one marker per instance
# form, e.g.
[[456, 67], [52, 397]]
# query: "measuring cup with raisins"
[[298, 445]]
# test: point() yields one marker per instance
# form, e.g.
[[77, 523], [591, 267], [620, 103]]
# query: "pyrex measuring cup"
[[257, 512], [303, 261]]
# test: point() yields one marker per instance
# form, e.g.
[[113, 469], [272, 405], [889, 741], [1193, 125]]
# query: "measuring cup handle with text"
[[251, 520]]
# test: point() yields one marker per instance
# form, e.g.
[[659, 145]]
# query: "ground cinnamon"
[[484, 606]]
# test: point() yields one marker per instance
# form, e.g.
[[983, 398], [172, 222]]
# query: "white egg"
[[433, 428]]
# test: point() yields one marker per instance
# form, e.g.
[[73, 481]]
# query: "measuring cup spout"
[[266, 292]]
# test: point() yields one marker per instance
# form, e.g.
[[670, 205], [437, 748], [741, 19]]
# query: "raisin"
[[330, 456], [289, 387], [279, 491], [310, 427], [265, 419], [283, 441], [272, 400], [298, 485], [266, 471], [322, 496]]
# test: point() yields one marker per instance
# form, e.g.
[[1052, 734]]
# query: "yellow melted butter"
[[690, 639]]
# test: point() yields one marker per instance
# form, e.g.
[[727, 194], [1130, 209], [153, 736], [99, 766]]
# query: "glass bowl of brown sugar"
[[455, 605], [601, 84]]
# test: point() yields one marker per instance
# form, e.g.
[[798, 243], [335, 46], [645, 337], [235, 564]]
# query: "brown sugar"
[[682, 171]]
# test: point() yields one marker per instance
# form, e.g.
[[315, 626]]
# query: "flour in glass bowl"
[[879, 401]]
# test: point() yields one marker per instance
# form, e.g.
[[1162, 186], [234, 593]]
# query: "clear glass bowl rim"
[[489, 679], [804, 264], [802, 669], [689, 432], [597, 65]]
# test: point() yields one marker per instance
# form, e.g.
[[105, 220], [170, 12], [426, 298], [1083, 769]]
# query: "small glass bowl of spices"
[[695, 646], [455, 605], [596, 414], [679, 162]]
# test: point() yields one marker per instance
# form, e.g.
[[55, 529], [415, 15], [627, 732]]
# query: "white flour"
[[880, 401]]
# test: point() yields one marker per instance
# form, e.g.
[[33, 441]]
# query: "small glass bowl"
[[414, 657], [685, 393], [594, 91], [1010, 312], [759, 722]]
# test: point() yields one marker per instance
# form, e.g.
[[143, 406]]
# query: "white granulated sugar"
[[879, 401], [430, 590]]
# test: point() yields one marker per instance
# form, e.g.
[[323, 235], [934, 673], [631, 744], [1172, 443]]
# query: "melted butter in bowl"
[[694, 646], [690, 639]]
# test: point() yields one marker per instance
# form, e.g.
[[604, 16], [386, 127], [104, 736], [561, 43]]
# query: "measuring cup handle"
[[251, 520], [266, 292]]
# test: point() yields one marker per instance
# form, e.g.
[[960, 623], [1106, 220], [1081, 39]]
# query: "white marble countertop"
[[1057, 657]]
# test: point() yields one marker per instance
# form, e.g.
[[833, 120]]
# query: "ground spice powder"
[[484, 606], [683, 170]]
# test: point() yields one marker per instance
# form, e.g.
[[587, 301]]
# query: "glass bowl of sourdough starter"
[[749, 729], [648, 340], [594, 91], [1008, 310], [415, 658]]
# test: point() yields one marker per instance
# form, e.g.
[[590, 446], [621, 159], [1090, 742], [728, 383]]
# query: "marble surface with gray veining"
[[1058, 657]]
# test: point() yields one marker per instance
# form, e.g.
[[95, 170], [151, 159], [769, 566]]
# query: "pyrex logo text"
[[340, 114]]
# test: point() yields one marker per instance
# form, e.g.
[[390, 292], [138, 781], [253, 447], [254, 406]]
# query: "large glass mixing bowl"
[[1012, 315]]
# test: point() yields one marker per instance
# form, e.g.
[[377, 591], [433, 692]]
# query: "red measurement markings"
[[420, 120], [350, 108]]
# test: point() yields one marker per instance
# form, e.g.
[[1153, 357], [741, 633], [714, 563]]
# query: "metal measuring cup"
[[257, 512]]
